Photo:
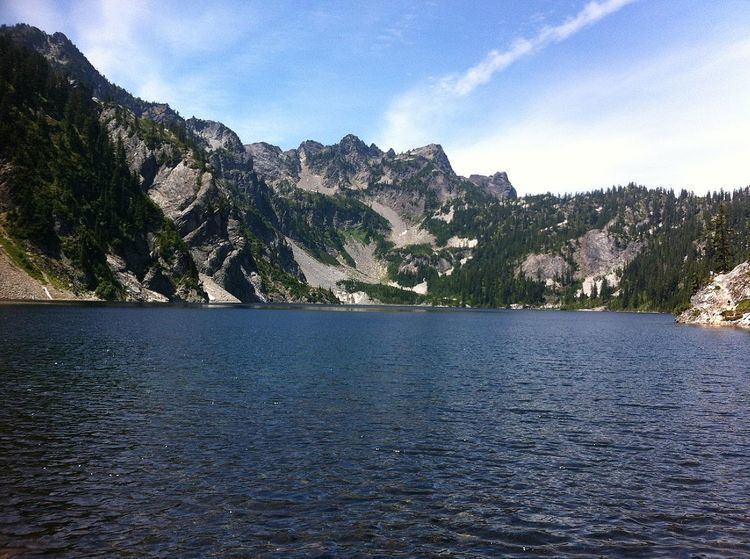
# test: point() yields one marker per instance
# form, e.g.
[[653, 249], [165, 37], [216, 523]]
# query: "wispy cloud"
[[677, 120], [413, 115], [396, 31], [496, 61]]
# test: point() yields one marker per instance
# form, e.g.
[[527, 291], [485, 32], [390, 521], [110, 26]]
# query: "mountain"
[[64, 57], [105, 195], [498, 185], [194, 174]]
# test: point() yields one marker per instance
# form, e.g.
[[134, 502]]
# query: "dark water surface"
[[236, 432]]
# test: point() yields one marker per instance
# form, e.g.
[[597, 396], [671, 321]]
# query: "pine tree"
[[605, 293], [720, 240]]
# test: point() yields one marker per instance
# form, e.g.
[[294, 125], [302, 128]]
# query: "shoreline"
[[292, 306]]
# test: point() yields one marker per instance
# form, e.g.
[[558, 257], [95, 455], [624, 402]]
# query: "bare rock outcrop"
[[598, 253], [498, 185], [549, 268], [352, 165], [188, 193], [723, 302], [598, 256], [216, 135], [273, 164]]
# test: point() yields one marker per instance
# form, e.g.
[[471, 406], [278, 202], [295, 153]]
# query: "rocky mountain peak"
[[262, 147], [271, 163], [64, 56], [56, 48], [498, 184], [351, 144], [435, 153], [352, 141], [309, 147], [216, 135]]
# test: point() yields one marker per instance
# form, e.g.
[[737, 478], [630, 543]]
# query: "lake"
[[259, 432]]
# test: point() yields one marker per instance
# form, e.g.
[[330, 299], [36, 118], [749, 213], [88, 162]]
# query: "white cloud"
[[414, 115], [146, 47], [497, 61], [680, 120]]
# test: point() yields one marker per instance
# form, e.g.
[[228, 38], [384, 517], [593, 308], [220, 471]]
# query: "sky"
[[565, 96]]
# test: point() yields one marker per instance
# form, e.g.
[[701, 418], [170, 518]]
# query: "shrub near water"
[[743, 306], [738, 312]]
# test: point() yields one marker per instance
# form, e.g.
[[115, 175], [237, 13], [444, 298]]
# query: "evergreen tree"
[[719, 238]]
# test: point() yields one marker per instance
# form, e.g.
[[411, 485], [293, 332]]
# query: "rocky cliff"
[[498, 185], [352, 165], [725, 301], [203, 183], [198, 174]]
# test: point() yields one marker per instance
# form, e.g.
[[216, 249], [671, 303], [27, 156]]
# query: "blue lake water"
[[241, 432]]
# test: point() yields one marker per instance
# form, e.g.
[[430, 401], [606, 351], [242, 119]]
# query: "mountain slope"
[[215, 201], [189, 170], [68, 198], [65, 58]]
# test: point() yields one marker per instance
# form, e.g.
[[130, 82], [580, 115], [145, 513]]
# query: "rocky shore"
[[723, 302]]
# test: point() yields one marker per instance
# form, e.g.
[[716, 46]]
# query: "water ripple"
[[234, 432]]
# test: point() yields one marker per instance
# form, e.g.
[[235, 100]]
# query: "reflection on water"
[[236, 432]]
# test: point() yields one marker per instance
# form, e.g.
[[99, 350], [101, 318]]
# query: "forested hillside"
[[680, 238], [67, 196]]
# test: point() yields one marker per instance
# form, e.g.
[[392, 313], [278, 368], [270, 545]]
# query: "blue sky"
[[565, 96]]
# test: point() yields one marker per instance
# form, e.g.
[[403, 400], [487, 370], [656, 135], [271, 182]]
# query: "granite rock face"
[[725, 301], [548, 268], [598, 256], [498, 185], [216, 135], [273, 164], [200, 188], [352, 165], [595, 256]]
